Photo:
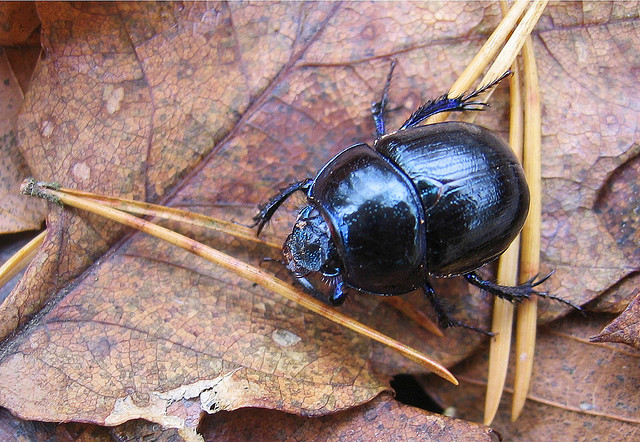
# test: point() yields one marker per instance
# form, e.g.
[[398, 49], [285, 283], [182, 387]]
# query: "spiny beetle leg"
[[269, 209], [446, 104], [516, 293], [444, 320]]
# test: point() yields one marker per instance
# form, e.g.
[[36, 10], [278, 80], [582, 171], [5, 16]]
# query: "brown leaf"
[[226, 343], [381, 419], [577, 386], [212, 108], [625, 328], [590, 134], [18, 23], [617, 297], [16, 213], [206, 334], [13, 429]]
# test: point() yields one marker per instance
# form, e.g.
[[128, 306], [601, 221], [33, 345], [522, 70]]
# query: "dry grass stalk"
[[486, 53], [20, 259], [503, 311], [507, 275], [169, 213], [247, 271], [410, 311], [503, 61], [530, 255]]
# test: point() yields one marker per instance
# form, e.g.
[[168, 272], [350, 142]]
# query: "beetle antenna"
[[282, 263]]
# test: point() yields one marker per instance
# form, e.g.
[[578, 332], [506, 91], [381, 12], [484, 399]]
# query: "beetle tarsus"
[[485, 88], [516, 293], [444, 320], [269, 209], [454, 323]]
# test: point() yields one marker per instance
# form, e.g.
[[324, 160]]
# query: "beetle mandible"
[[435, 200]]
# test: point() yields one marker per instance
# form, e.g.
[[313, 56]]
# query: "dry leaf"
[[212, 107], [617, 297], [13, 429], [624, 329], [18, 23], [16, 213], [381, 419], [578, 389]]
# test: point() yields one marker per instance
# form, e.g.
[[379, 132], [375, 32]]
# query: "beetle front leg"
[[269, 209], [515, 293], [338, 294], [444, 320]]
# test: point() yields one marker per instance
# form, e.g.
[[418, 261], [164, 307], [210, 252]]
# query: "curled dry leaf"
[[10, 427], [211, 107], [625, 328], [381, 419], [17, 214]]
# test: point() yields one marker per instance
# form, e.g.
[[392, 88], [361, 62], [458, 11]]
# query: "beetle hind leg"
[[269, 209], [444, 320], [378, 107], [516, 293], [447, 104]]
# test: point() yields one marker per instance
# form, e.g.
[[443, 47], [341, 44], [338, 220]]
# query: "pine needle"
[[247, 271]]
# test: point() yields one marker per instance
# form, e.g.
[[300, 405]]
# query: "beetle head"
[[309, 247]]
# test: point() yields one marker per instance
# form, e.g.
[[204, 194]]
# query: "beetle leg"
[[269, 209], [444, 320], [516, 293], [446, 104], [378, 107], [338, 294]]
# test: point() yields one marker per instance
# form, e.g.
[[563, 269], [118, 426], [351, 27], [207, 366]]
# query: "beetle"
[[435, 200]]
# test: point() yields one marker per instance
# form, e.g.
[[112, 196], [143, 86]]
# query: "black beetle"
[[434, 200]]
